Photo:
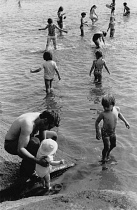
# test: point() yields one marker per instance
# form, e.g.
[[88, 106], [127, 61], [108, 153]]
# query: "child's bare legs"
[[47, 85], [112, 31], [112, 144], [46, 181], [54, 43], [106, 149], [48, 43]]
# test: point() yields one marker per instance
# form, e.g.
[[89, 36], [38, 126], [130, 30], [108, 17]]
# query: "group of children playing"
[[110, 114]]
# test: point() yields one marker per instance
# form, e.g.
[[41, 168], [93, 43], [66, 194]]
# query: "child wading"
[[111, 26], [47, 149], [97, 66], [83, 15], [51, 33], [110, 117], [126, 9], [50, 68]]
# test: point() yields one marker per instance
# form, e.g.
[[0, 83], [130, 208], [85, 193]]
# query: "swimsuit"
[[105, 133]]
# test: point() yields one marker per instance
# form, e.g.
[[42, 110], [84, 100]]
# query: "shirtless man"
[[110, 117], [26, 133]]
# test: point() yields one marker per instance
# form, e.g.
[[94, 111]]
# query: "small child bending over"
[[47, 149], [110, 117], [97, 66], [50, 68]]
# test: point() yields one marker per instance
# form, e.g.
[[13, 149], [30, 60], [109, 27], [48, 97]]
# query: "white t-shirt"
[[42, 171], [49, 69]]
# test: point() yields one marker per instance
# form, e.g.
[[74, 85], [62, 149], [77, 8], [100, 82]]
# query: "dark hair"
[[108, 100], [50, 20], [51, 116], [60, 9], [83, 14], [98, 54], [47, 56], [104, 33], [93, 7], [124, 3]]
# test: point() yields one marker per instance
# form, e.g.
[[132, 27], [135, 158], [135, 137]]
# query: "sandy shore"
[[84, 200]]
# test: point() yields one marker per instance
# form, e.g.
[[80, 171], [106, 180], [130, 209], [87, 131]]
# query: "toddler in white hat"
[[47, 149]]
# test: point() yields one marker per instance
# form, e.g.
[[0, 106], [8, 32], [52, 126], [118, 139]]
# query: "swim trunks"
[[105, 133], [11, 146]]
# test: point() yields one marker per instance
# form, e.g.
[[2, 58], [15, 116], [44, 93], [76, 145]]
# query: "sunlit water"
[[75, 97]]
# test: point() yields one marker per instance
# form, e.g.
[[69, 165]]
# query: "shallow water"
[[75, 97]]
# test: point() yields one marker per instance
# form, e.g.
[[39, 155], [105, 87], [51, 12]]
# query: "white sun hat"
[[48, 147]]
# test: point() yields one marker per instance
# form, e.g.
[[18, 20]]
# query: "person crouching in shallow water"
[[24, 137], [110, 117], [50, 68], [97, 67], [98, 38], [47, 150]]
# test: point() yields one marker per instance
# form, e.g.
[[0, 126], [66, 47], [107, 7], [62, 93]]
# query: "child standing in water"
[[97, 66], [83, 15], [112, 7], [51, 33], [93, 15], [110, 117], [60, 17], [126, 9], [47, 149], [50, 68], [111, 26]]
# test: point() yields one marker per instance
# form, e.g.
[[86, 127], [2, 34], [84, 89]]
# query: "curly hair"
[[51, 116]]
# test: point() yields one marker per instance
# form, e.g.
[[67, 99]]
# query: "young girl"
[[93, 15], [97, 66], [111, 26], [47, 149], [83, 15], [61, 16], [50, 68], [51, 33]]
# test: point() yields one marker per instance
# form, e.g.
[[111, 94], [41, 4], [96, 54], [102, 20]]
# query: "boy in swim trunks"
[[51, 33], [97, 66], [111, 26], [83, 15], [110, 117]]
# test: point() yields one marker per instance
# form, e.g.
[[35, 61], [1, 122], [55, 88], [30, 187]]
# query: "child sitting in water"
[[126, 9], [97, 66], [111, 26], [50, 68], [110, 117], [51, 33], [47, 149], [83, 15]]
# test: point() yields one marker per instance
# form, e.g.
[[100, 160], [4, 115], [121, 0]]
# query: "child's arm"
[[108, 27], [55, 163], [103, 39], [106, 67], [36, 70], [43, 28], [61, 29], [98, 133], [121, 117], [92, 68], [58, 73], [85, 23]]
